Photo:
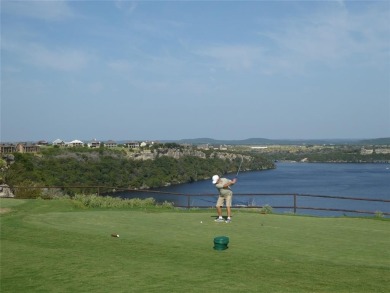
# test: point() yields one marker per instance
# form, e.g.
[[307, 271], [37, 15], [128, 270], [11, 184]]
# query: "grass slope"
[[53, 246]]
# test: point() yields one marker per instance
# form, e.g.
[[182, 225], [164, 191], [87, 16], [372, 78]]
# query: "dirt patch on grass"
[[4, 210]]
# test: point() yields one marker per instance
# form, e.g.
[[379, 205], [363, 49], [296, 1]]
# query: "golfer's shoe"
[[219, 220], [228, 221]]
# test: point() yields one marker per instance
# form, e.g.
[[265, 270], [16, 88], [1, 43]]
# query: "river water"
[[369, 181]]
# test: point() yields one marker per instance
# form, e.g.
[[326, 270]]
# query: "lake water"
[[371, 181]]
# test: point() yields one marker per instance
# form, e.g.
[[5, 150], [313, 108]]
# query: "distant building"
[[75, 143], [203, 146], [131, 145], [27, 148], [59, 143], [364, 151], [22, 147], [382, 151], [94, 144], [42, 142], [7, 148], [110, 144]]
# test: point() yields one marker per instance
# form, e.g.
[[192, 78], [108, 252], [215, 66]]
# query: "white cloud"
[[95, 88], [63, 59], [341, 3], [233, 57], [333, 38], [44, 10], [127, 6], [120, 65]]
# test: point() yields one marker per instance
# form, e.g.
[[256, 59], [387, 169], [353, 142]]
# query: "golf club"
[[239, 168]]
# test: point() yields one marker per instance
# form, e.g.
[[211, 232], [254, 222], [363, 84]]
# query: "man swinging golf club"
[[225, 195]]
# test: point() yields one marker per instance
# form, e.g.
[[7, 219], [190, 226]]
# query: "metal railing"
[[186, 200]]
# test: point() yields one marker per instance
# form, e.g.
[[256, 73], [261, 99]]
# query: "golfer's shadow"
[[216, 217]]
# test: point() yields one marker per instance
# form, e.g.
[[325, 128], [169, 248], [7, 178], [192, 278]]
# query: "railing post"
[[295, 203], [98, 191], [188, 201]]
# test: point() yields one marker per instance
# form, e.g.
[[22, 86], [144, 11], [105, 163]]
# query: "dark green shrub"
[[27, 189]]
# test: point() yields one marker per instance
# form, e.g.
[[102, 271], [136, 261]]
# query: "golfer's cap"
[[215, 179]]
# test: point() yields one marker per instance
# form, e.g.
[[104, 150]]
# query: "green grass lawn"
[[54, 246]]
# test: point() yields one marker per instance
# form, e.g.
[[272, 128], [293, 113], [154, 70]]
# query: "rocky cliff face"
[[5, 191], [173, 153], [179, 153]]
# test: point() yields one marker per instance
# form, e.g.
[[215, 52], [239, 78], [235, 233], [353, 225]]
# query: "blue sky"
[[162, 70]]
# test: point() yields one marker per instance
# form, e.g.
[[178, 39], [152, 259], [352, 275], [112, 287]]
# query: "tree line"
[[325, 154], [113, 168]]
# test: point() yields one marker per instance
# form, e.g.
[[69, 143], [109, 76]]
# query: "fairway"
[[53, 246]]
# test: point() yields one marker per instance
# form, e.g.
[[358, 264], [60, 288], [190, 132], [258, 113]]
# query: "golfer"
[[225, 196]]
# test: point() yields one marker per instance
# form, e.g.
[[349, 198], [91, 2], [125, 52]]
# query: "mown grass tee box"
[[56, 246]]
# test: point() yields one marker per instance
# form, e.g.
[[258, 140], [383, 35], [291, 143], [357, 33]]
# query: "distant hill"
[[265, 141], [376, 141], [249, 141]]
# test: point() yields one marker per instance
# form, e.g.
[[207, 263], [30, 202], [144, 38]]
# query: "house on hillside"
[[146, 143], [382, 150], [203, 146], [110, 144], [25, 147], [42, 142], [94, 144], [223, 147], [59, 143], [7, 148], [75, 143], [365, 151], [22, 147], [132, 145]]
